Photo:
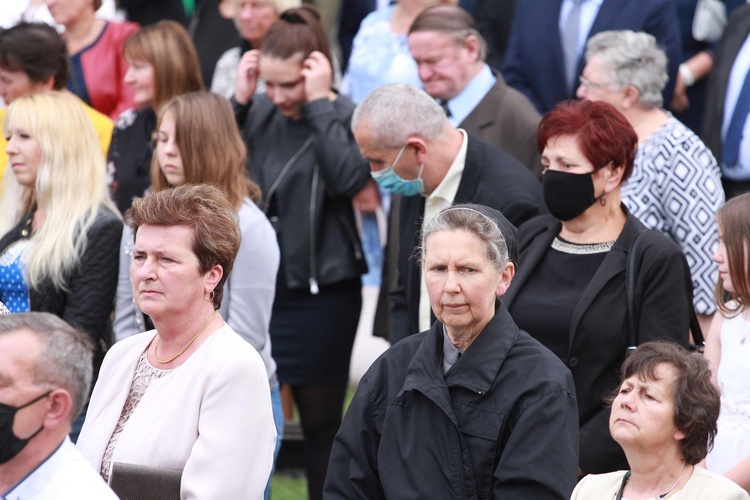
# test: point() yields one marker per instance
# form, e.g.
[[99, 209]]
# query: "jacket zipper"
[[314, 289]]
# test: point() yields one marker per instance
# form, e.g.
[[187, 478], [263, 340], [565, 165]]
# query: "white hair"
[[632, 58], [397, 111]]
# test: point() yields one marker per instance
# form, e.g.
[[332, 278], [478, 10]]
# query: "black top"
[[212, 35], [596, 334], [129, 157], [554, 288], [145, 12]]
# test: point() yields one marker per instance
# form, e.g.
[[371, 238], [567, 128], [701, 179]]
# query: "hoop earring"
[[211, 296], [603, 200]]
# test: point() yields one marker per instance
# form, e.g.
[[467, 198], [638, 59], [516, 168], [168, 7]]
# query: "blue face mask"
[[389, 179]]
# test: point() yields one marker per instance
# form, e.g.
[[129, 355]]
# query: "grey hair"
[[451, 20], [397, 111], [632, 58], [66, 358], [474, 222]]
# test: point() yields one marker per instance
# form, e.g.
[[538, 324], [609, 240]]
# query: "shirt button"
[[573, 362]]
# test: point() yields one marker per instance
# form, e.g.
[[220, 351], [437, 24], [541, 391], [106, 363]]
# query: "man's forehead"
[[18, 349]]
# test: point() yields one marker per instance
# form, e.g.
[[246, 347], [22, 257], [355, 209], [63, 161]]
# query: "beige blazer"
[[702, 485], [211, 417]]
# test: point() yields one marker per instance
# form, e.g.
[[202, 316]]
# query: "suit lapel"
[[467, 188]]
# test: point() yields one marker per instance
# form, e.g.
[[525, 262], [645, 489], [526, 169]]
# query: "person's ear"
[[471, 45], [213, 276], [506, 278], [420, 147], [613, 176], [60, 404], [631, 97]]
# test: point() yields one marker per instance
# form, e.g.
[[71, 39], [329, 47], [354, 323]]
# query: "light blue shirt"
[[736, 78], [589, 11], [464, 103]]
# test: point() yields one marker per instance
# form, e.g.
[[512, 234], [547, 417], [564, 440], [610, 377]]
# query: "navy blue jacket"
[[533, 62]]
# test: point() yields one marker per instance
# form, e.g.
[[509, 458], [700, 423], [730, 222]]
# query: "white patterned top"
[[144, 374], [676, 189]]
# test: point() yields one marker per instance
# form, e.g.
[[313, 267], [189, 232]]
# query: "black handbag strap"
[[631, 272]]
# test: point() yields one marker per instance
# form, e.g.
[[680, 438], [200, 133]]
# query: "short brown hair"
[[207, 212], [696, 400], [450, 20], [167, 47], [734, 226], [211, 147], [36, 50], [297, 31]]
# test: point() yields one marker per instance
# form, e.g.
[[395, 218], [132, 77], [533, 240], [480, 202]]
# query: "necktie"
[[730, 152], [569, 38], [444, 105]]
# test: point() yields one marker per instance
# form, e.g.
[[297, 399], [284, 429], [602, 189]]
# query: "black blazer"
[[734, 36], [597, 335], [491, 177]]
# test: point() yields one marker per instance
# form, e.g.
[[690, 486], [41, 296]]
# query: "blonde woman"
[[60, 231], [163, 64]]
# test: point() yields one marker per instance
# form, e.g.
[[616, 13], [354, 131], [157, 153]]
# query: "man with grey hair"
[[450, 54], [45, 375], [414, 151]]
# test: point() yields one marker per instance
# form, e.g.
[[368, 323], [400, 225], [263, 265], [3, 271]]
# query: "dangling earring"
[[211, 296], [603, 200]]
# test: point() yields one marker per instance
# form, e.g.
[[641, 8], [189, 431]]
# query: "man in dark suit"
[[731, 65], [535, 63], [414, 151], [450, 53]]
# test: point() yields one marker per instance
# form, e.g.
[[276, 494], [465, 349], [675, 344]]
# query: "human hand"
[[318, 75], [247, 76], [680, 101], [367, 200]]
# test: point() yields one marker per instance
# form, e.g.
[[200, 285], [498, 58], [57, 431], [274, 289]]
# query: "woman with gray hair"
[[473, 407], [675, 187]]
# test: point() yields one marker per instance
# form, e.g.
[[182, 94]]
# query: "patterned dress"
[[676, 189]]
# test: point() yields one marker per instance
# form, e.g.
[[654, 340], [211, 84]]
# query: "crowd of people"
[[193, 195]]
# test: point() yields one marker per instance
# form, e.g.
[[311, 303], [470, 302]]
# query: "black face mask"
[[568, 195], [10, 445]]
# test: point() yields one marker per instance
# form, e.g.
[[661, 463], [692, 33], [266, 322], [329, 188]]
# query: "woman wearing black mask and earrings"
[[569, 290]]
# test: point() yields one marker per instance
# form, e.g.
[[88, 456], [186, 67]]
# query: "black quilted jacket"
[[88, 302]]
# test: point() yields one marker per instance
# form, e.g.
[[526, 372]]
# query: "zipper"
[[314, 288]]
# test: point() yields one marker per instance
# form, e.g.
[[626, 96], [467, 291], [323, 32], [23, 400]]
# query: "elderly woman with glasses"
[[675, 187]]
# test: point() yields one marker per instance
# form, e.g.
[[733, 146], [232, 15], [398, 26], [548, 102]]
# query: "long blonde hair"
[[70, 184]]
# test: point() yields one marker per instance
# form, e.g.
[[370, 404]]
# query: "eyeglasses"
[[594, 85]]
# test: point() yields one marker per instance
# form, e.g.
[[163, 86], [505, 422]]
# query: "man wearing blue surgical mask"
[[414, 151], [45, 373]]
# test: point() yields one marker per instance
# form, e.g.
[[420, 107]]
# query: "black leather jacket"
[[308, 170]]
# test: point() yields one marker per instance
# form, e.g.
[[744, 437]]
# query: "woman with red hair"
[[569, 291]]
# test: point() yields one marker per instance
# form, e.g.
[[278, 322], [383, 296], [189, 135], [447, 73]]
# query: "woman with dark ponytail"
[[304, 158]]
